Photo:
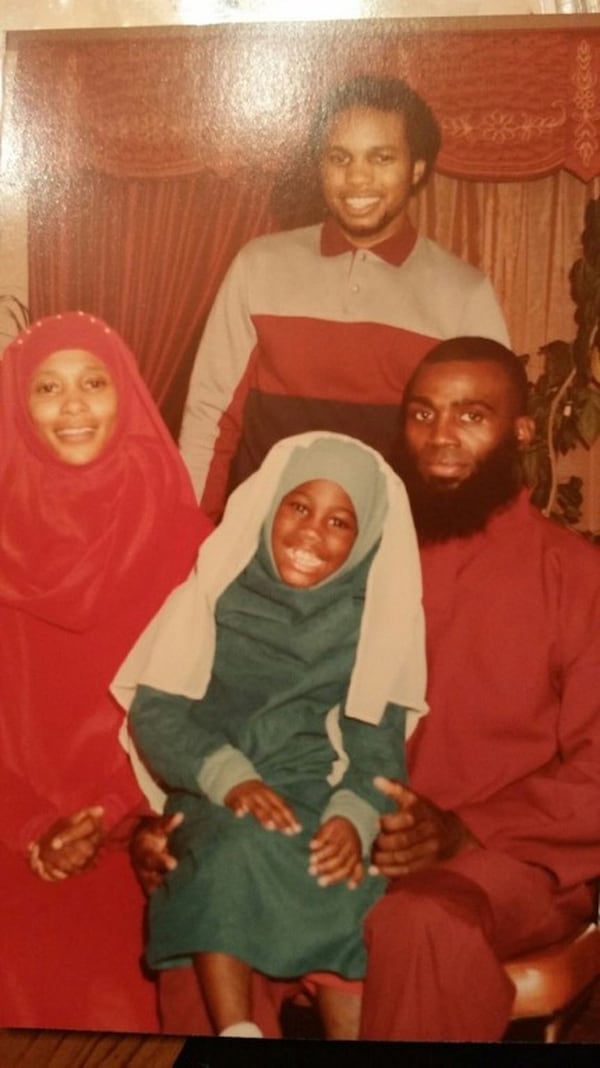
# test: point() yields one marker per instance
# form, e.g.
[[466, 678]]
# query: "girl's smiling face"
[[73, 404], [314, 529]]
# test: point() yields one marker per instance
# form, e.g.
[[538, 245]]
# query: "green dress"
[[283, 660]]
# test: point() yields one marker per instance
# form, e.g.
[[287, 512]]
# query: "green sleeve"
[[183, 748], [369, 750]]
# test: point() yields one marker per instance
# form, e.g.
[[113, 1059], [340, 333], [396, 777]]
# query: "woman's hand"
[[336, 853], [70, 846], [265, 804]]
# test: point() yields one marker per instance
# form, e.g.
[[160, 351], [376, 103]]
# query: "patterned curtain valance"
[[512, 103]]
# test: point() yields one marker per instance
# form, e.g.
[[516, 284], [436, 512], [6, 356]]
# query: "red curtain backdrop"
[[146, 255], [151, 156]]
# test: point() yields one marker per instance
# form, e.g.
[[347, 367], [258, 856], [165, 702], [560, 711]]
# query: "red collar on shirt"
[[394, 250]]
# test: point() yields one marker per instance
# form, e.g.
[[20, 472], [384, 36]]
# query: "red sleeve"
[[24, 815]]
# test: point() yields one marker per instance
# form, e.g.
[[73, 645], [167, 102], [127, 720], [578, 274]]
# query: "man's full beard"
[[441, 512]]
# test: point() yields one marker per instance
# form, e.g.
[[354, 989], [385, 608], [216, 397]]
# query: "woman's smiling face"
[[73, 404], [314, 529]]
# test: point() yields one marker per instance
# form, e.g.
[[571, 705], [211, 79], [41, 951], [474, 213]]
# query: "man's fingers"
[[409, 834], [403, 861], [149, 882], [151, 860], [171, 822], [401, 794], [162, 826]]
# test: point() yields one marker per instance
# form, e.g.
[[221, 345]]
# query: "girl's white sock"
[[243, 1029]]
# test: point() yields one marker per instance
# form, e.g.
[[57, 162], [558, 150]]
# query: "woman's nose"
[[73, 401]]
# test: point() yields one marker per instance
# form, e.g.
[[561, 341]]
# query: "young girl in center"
[[273, 687]]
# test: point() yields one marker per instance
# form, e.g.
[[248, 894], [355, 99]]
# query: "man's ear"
[[418, 171], [524, 430]]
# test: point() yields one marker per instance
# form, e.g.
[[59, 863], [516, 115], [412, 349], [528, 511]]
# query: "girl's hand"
[[265, 804], [336, 853], [70, 846]]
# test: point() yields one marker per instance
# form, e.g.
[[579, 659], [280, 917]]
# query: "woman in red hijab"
[[98, 522]]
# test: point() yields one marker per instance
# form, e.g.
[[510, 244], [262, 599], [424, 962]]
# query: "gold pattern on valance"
[[512, 104]]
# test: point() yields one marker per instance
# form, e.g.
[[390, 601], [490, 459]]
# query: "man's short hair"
[[480, 350], [384, 94]]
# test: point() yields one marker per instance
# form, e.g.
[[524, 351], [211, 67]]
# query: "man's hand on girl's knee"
[[416, 835]]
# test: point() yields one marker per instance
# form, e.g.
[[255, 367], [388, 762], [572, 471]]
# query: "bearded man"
[[493, 847]]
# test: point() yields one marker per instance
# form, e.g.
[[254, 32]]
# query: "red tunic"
[[512, 744], [512, 741]]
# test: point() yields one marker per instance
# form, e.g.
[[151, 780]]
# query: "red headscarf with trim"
[[88, 554], [78, 542]]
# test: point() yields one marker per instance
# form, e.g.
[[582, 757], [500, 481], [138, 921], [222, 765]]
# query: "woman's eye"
[[421, 416], [45, 387], [98, 382]]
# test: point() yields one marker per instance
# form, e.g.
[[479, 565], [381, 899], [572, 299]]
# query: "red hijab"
[[79, 542], [88, 553]]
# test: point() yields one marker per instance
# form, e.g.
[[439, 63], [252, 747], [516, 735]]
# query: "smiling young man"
[[497, 835], [320, 327]]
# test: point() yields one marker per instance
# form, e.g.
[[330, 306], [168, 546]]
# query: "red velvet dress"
[[87, 555]]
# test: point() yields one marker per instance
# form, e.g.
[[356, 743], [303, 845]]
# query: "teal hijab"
[[279, 643]]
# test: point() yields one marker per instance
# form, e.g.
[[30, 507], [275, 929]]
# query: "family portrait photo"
[[299, 531]]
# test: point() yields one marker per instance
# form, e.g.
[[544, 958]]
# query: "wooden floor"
[[62, 1049], [58, 1049]]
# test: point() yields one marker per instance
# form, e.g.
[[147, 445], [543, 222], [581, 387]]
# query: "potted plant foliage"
[[565, 398]]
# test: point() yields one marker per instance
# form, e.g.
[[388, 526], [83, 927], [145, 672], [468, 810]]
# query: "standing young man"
[[320, 327]]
